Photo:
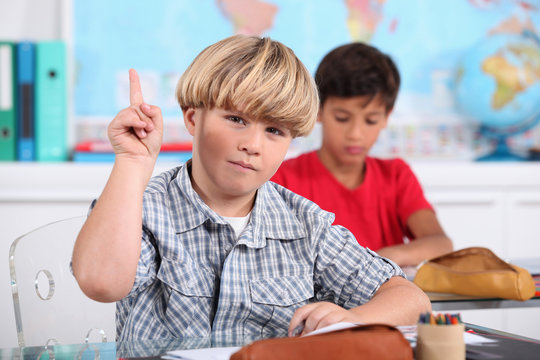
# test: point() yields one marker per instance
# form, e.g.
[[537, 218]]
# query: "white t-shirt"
[[238, 223]]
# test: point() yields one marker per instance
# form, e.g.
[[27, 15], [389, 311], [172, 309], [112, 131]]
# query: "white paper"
[[333, 327], [217, 353], [474, 339]]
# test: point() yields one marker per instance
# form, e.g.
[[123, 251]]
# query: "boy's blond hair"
[[257, 76]]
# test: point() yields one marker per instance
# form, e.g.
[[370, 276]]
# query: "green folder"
[[8, 98], [51, 101]]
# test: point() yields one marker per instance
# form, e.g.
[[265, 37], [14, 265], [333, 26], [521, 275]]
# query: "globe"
[[497, 86]]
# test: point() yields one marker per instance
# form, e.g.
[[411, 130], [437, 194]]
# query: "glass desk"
[[508, 346], [119, 350]]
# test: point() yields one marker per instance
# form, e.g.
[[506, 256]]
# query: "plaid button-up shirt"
[[194, 278]]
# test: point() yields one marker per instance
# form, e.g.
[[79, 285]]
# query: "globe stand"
[[501, 153]]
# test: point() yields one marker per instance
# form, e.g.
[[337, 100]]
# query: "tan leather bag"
[[375, 341], [475, 271]]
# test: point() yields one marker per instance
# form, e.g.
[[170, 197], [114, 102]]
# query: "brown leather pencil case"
[[373, 341], [475, 271]]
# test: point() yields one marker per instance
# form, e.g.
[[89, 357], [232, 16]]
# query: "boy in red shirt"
[[380, 201]]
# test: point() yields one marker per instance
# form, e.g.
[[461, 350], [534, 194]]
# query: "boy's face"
[[233, 154], [350, 127]]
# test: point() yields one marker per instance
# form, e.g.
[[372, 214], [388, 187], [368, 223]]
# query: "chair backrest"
[[48, 303]]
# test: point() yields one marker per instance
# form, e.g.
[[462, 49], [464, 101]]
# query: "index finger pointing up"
[[135, 93]]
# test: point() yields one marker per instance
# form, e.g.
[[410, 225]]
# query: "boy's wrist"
[[140, 161], [141, 168]]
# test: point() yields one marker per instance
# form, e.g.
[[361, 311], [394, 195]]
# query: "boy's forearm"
[[107, 249], [397, 302], [427, 247], [417, 250]]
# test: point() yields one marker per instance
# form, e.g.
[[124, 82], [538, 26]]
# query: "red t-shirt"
[[376, 212]]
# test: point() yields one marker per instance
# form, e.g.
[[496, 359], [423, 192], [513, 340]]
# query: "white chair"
[[49, 306]]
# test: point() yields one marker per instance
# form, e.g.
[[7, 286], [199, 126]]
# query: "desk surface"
[[508, 346], [443, 302]]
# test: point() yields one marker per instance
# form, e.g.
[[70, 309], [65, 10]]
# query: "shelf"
[[70, 181], [66, 182]]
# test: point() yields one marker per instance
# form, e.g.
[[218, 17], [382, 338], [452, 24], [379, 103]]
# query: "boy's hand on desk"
[[318, 315], [136, 131]]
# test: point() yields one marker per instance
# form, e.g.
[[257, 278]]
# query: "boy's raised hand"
[[137, 130]]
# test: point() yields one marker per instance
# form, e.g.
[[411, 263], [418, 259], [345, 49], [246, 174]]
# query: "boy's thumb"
[[150, 111]]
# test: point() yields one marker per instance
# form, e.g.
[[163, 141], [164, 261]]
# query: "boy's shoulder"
[[390, 172], [386, 162], [282, 214], [294, 203], [160, 182], [387, 165]]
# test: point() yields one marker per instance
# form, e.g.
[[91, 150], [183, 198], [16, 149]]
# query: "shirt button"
[[191, 284]]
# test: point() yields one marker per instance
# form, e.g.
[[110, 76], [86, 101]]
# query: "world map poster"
[[440, 47]]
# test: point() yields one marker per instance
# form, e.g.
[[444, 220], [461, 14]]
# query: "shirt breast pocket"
[[186, 300], [274, 301]]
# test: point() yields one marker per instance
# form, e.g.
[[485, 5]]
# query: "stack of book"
[[33, 110], [102, 151]]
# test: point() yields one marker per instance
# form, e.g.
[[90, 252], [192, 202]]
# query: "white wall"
[[31, 19]]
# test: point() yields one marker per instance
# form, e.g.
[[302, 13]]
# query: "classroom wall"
[[31, 19], [42, 20]]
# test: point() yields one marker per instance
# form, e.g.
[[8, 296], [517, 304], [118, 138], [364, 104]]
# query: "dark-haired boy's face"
[[350, 128]]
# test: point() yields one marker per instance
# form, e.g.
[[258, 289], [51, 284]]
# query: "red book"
[[100, 146]]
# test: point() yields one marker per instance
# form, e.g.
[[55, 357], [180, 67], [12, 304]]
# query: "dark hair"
[[358, 69]]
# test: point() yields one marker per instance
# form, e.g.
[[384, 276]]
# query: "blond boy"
[[223, 250]]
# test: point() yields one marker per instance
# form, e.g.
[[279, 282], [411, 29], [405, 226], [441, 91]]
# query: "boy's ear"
[[189, 120]]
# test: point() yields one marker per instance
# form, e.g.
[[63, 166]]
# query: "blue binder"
[[25, 92], [51, 104], [8, 100]]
